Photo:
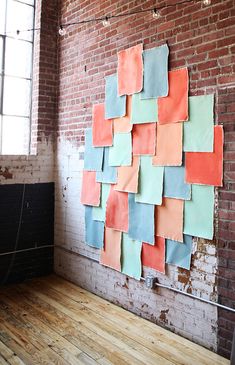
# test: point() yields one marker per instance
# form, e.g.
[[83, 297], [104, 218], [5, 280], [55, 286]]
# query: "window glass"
[[1, 53], [16, 97], [15, 135], [2, 16], [18, 58], [19, 17]]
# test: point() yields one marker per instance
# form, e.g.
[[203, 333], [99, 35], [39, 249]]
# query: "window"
[[16, 54]]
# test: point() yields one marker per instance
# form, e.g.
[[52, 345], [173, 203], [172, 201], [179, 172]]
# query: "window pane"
[[16, 97], [20, 17], [1, 51], [15, 136], [2, 16], [18, 58]]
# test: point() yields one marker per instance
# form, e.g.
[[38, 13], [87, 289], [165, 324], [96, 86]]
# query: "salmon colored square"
[[130, 70], [90, 194], [102, 129], [174, 107], [127, 177], [144, 139], [117, 210], [206, 167], [169, 219], [153, 256], [123, 124], [169, 145], [111, 253]]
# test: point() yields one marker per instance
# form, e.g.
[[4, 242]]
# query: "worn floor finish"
[[51, 321]]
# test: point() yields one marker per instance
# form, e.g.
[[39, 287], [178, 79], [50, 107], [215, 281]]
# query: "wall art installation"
[[152, 160]]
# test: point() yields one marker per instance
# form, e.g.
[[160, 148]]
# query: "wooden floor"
[[51, 321]]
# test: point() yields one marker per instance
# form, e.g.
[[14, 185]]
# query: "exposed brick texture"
[[201, 38]]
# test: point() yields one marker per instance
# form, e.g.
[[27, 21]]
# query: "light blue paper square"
[[131, 257], [115, 106], [109, 173], [94, 230], [174, 185], [143, 111], [179, 254], [141, 221], [155, 72], [93, 156]]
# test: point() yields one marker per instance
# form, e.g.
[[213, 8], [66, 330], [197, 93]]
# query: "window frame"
[[3, 75]]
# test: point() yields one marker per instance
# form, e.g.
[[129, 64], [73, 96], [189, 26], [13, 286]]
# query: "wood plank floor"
[[51, 321]]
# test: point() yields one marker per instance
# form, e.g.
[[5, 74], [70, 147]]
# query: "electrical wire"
[[155, 9]]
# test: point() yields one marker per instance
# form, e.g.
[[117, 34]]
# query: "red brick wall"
[[226, 234], [201, 38]]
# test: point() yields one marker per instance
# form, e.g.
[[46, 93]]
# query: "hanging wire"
[[105, 20]]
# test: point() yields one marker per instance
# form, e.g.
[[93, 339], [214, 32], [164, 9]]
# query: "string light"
[[62, 30], [106, 22], [156, 14]]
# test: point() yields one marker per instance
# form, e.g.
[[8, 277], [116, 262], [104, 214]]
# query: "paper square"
[[169, 145], [143, 111], [124, 125], [155, 72], [199, 212], [130, 70], [100, 212], [153, 256], [93, 156], [115, 106], [206, 167], [199, 131], [174, 184], [94, 230], [120, 154], [102, 129], [144, 139], [90, 194], [109, 173], [169, 219], [150, 182], [117, 210], [111, 254], [128, 177], [131, 257], [174, 107], [141, 221], [179, 253]]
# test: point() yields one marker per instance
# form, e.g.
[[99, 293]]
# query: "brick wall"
[[201, 38], [34, 173]]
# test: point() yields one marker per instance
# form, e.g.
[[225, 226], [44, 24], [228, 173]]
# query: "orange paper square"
[[144, 139], [169, 145], [130, 70], [127, 177], [169, 219], [174, 107], [154, 256], [90, 194], [111, 253], [102, 129], [123, 125], [117, 210], [206, 167]]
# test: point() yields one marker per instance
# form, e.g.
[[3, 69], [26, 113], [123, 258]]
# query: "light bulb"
[[156, 14], [62, 30], [106, 22], [206, 2]]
